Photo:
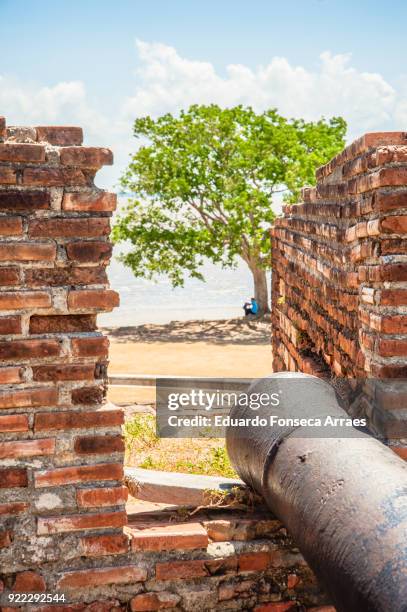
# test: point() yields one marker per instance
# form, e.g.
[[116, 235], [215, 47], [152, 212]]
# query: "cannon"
[[343, 498]]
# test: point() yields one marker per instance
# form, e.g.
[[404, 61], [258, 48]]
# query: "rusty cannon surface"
[[343, 498]]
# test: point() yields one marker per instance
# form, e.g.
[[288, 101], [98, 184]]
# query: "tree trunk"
[[261, 290]]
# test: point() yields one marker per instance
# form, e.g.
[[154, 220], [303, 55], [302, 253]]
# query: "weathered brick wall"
[[340, 277], [62, 502], [61, 453]]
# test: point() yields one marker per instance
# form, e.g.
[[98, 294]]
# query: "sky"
[[100, 64]]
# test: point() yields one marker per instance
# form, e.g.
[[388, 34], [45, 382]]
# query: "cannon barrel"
[[343, 499]]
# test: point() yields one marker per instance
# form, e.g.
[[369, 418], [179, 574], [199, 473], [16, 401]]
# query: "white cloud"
[[167, 82], [65, 102]]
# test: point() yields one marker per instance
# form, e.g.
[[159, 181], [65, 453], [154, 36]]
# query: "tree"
[[203, 185]]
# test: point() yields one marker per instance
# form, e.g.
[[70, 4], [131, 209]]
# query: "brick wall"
[[62, 502], [61, 452], [340, 278]]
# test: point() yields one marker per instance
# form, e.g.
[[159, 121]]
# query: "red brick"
[[8, 176], [21, 134], [88, 395], [17, 152], [386, 272], [29, 582], [27, 251], [393, 297], [62, 324], [387, 155], [48, 421], [60, 135], [9, 325], [14, 422], [196, 568], [396, 324], [24, 200], [9, 276], [11, 375], [11, 226], [79, 522], [99, 299], [98, 445], [5, 539], [54, 177], [169, 537], [389, 370], [88, 227], [90, 202], [62, 371], [394, 225], [90, 347], [13, 508], [181, 570], [29, 349], [146, 602], [22, 398], [89, 252], [221, 530], [401, 451], [86, 157], [253, 562], [386, 177], [292, 581], [98, 546], [227, 565], [281, 606], [392, 200], [27, 448], [122, 574], [393, 246], [102, 496], [79, 473], [13, 477], [394, 272], [57, 277], [24, 299]]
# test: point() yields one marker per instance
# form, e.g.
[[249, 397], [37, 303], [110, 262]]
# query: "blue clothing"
[[255, 307]]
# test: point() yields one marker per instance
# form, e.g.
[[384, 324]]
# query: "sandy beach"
[[232, 347], [223, 348]]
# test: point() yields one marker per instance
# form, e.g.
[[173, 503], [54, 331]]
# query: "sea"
[[221, 296]]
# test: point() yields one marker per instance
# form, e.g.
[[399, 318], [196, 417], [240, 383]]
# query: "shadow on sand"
[[245, 330]]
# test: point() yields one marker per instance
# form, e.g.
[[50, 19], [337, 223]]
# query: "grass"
[[146, 450], [140, 431]]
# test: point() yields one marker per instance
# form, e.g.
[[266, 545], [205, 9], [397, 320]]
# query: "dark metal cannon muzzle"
[[343, 498]]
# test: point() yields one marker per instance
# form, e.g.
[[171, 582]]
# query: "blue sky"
[[71, 61]]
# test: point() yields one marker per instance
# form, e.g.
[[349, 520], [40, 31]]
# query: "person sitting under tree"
[[250, 307]]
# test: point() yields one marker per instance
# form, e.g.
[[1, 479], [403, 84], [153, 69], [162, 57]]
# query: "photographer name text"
[[272, 420]]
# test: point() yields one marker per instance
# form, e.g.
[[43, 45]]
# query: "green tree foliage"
[[203, 184]]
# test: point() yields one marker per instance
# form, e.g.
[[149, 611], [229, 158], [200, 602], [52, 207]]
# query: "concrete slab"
[[174, 487]]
